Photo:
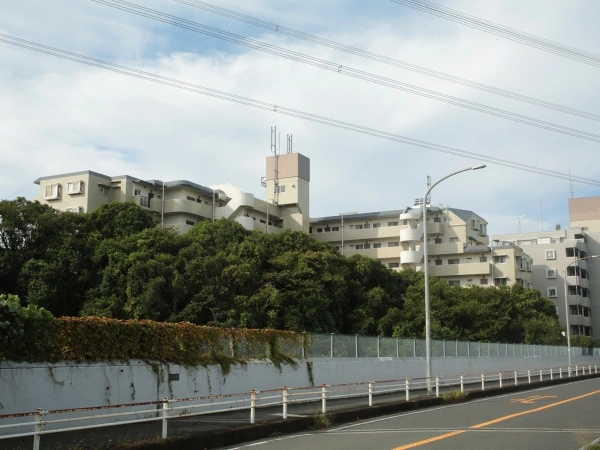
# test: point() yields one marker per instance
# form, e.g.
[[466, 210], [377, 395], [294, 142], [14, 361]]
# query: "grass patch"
[[585, 439], [454, 396], [320, 421]]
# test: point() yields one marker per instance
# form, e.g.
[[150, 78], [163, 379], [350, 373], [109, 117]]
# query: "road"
[[558, 417]]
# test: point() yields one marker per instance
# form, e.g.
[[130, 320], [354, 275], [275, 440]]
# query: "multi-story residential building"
[[457, 244], [555, 252], [180, 204]]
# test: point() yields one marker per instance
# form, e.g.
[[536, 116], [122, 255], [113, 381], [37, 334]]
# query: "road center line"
[[491, 422]]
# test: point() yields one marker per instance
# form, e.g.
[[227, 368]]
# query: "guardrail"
[[168, 409]]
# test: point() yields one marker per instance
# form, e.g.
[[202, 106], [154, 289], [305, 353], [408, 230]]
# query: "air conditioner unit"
[[75, 209]]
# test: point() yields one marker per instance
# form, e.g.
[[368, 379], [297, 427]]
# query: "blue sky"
[[57, 116]]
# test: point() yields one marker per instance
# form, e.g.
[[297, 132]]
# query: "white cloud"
[[57, 116]]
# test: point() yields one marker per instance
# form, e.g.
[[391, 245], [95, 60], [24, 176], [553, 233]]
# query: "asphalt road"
[[559, 417]]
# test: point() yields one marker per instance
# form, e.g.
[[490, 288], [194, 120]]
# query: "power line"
[[385, 59], [344, 70], [140, 74], [503, 31]]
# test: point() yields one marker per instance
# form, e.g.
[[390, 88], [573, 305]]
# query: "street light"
[[567, 306], [426, 265], [342, 215]]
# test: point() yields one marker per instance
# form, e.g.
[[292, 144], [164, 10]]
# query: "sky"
[[58, 116]]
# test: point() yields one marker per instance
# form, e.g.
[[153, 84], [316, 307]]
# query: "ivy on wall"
[[32, 334]]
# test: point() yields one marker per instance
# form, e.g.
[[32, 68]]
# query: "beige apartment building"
[[457, 243], [180, 204]]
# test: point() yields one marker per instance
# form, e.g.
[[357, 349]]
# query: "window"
[[189, 222], [377, 245], [550, 273], [570, 252], [405, 222], [327, 229], [359, 246], [438, 262], [437, 220], [376, 225], [573, 310], [279, 189], [550, 254], [469, 260], [75, 187], [367, 225], [393, 265], [137, 192], [453, 239], [438, 240], [358, 227], [551, 292], [454, 282], [392, 224], [500, 281], [103, 190], [500, 259], [52, 192], [367, 246], [335, 228], [483, 281], [319, 230], [483, 259], [528, 265], [453, 261], [263, 221], [76, 210], [393, 244], [475, 224], [192, 199]]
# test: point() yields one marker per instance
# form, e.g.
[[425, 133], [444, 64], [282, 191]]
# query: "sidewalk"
[[230, 428]]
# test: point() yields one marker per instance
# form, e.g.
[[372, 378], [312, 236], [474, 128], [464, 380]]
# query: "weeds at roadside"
[[454, 396], [320, 421]]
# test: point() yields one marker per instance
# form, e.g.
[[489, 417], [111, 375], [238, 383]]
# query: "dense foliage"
[[114, 263]]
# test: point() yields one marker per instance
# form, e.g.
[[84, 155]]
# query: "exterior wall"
[[550, 257], [585, 213]]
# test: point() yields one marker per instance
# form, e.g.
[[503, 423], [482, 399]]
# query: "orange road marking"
[[532, 399], [491, 422]]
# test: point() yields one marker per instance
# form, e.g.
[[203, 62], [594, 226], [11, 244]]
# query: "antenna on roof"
[[570, 183], [428, 199], [289, 143], [519, 222]]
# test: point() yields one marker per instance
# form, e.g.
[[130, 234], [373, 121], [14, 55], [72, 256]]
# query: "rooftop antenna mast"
[[428, 200], [289, 143], [570, 184], [519, 222]]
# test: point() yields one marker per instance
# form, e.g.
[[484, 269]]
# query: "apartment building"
[[180, 204], [457, 244]]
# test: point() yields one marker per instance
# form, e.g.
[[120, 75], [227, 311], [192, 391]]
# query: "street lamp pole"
[[426, 272], [567, 306]]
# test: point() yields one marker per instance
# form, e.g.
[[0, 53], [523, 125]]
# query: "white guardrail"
[[54, 421]]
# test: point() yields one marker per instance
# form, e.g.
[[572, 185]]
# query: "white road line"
[[457, 405], [271, 440]]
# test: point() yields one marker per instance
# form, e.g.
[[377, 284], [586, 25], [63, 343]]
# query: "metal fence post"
[[37, 428], [252, 406], [516, 378], [551, 374], [468, 349], [414, 348], [407, 389], [462, 382], [378, 346], [529, 375], [489, 350], [284, 397], [479, 348], [595, 368], [482, 381], [437, 385], [541, 376], [324, 398], [576, 370], [356, 344], [560, 372], [500, 378], [331, 345], [444, 347], [583, 369], [370, 393], [397, 347], [457, 348], [165, 415]]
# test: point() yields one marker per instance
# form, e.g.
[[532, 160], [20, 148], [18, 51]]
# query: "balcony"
[[411, 234], [445, 249], [411, 215], [355, 235], [379, 253], [153, 204], [411, 256], [580, 320], [578, 300], [186, 206], [453, 270]]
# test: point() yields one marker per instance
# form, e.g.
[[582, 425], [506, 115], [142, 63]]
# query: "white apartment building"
[[180, 203], [457, 244]]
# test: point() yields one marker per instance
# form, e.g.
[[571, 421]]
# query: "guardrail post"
[[370, 393], [165, 415], [529, 375], [407, 389], [414, 348], [378, 346], [37, 428], [551, 374], [356, 344], [397, 347], [437, 385], [482, 381], [560, 372], [457, 348], [500, 378], [444, 347], [576, 370], [583, 370], [595, 368], [331, 346], [252, 406], [516, 378], [324, 398], [462, 382], [541, 376], [479, 348], [589, 369], [569, 371], [468, 350], [284, 397]]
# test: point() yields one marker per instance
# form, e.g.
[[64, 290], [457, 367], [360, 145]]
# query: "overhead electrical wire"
[[503, 31], [385, 59], [342, 69], [140, 74]]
